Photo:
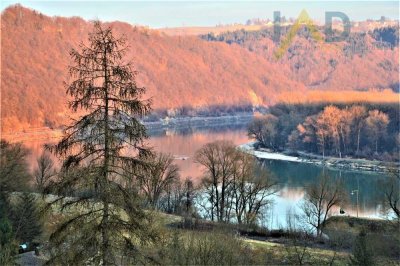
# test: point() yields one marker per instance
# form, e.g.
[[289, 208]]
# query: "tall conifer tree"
[[105, 223]]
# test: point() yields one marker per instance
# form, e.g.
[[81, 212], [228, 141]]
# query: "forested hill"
[[179, 71], [365, 60]]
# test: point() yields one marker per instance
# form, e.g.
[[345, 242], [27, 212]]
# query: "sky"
[[160, 14]]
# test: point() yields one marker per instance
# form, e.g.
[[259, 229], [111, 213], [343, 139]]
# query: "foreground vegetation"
[[183, 236], [184, 241]]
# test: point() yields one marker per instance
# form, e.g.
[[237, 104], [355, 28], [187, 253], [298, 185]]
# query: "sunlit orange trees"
[[362, 130]]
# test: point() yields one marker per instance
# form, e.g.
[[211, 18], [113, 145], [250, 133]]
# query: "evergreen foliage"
[[101, 152]]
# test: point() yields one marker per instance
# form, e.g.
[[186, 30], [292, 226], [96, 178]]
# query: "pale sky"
[[158, 14]]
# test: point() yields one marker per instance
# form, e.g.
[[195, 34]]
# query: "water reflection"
[[184, 143], [292, 177]]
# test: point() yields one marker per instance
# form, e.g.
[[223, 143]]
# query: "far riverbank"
[[350, 164], [153, 127]]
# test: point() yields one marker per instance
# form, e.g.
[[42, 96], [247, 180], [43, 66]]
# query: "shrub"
[[207, 248], [362, 252]]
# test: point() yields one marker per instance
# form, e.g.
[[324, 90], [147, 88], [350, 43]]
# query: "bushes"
[[8, 245], [380, 237], [207, 248], [362, 252]]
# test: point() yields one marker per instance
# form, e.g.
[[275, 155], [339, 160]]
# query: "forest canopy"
[[365, 130]]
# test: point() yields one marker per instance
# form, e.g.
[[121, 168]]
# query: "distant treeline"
[[368, 130], [389, 35], [206, 111]]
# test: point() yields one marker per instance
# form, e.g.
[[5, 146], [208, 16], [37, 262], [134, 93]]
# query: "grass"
[[344, 96], [316, 255], [354, 225], [263, 246]]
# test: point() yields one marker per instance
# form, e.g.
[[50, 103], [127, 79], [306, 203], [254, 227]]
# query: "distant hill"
[[178, 71], [190, 31], [365, 60]]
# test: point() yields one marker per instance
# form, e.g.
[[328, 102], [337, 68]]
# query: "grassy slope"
[[275, 253]]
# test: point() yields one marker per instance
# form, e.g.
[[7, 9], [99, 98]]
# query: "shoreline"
[[346, 164], [153, 127]]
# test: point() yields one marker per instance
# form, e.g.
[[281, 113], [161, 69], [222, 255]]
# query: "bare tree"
[[255, 130], [190, 194], [44, 171], [320, 198], [345, 123], [358, 113], [328, 128], [264, 130], [179, 197], [207, 156], [236, 185], [172, 200], [251, 188], [310, 135], [391, 190], [218, 160], [376, 122], [161, 174]]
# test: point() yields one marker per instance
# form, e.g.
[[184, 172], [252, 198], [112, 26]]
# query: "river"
[[292, 177]]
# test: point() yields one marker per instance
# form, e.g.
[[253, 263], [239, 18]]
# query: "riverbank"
[[350, 164], [154, 127], [197, 122]]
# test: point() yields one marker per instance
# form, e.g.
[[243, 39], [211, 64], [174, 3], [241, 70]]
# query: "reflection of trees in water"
[[191, 129], [36, 146], [295, 175], [292, 193]]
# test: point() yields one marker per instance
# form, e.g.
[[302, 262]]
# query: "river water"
[[292, 177]]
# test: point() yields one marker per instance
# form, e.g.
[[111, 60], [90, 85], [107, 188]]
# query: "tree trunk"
[[212, 203], [222, 207], [104, 235], [358, 140], [104, 226], [342, 137]]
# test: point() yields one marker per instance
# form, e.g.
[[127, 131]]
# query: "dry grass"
[[279, 252], [346, 96]]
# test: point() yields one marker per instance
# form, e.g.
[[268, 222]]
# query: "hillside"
[[365, 60], [178, 71]]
